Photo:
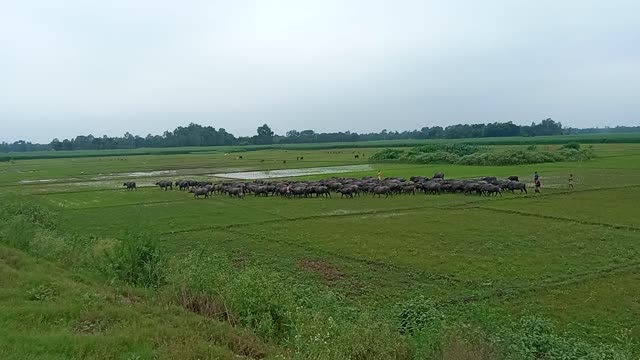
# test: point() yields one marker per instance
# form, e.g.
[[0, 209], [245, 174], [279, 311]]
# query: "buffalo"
[[514, 185], [130, 185], [490, 189], [200, 191], [379, 190], [165, 185]]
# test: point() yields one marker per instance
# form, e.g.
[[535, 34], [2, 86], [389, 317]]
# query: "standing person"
[[535, 177], [570, 181], [538, 185], [379, 175]]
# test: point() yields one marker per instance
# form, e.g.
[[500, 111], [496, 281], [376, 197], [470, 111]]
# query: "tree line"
[[198, 135]]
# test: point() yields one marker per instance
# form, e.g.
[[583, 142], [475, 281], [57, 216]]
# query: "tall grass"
[[135, 261], [311, 323]]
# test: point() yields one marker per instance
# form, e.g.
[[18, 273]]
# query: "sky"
[[77, 67]]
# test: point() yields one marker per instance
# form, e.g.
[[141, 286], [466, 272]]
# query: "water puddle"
[[271, 174], [45, 181], [135, 174], [231, 173]]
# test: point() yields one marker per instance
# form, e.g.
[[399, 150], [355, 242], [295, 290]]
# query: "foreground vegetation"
[[158, 274]]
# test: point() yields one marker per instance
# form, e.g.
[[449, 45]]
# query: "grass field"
[[572, 257]]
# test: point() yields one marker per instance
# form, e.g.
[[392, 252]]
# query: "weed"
[[418, 314], [136, 262], [41, 293]]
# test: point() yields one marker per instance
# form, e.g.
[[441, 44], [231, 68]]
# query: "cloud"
[[74, 67]]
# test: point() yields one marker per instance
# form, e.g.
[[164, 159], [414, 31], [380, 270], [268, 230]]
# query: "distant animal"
[[165, 185], [130, 185], [514, 185], [379, 190], [490, 189], [201, 191], [438, 175], [491, 179], [284, 161], [237, 192], [347, 191], [513, 178], [357, 156]]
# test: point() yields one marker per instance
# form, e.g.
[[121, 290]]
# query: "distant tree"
[[265, 135], [56, 144]]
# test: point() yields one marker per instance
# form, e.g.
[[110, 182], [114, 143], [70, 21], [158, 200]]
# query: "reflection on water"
[[270, 174]]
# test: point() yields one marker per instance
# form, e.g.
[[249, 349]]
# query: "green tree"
[[265, 135]]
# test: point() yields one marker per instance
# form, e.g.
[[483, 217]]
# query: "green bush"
[[418, 314], [571, 145], [572, 154], [535, 338], [135, 262], [387, 154], [439, 157], [458, 149], [33, 213], [18, 232], [469, 154]]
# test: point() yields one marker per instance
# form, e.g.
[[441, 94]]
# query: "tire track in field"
[[479, 199], [558, 218], [301, 218], [514, 292], [128, 205], [416, 275], [427, 278]]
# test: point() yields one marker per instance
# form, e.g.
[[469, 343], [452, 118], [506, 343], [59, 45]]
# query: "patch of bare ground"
[[239, 261], [91, 325], [245, 345], [327, 271], [457, 347], [205, 305]]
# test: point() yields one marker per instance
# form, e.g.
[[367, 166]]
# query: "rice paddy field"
[[570, 257]]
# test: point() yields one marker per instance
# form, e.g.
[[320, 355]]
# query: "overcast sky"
[[71, 67]]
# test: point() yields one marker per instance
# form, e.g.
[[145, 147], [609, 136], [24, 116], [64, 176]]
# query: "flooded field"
[[272, 174], [229, 173]]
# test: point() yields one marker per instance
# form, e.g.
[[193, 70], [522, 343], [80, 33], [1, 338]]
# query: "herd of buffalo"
[[347, 187]]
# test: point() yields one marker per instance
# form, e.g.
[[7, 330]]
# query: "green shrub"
[[571, 145], [535, 338], [387, 154], [418, 314], [469, 154], [459, 149], [33, 213], [439, 157], [135, 262], [572, 154], [18, 232]]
